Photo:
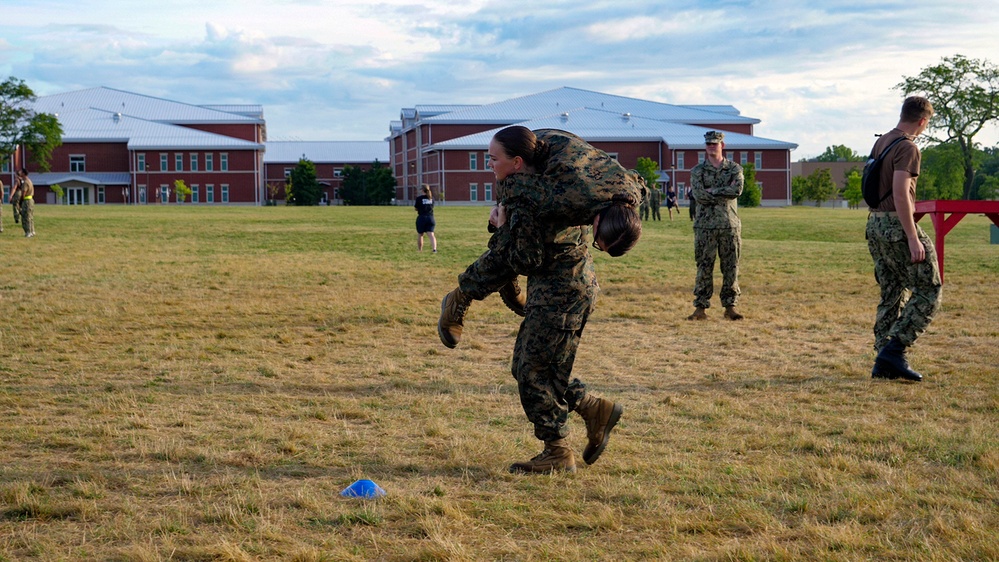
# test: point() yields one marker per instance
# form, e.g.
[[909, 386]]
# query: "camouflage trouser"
[[542, 363], [644, 211], [488, 273], [910, 292], [15, 203], [726, 243], [692, 210], [28, 215], [656, 216]]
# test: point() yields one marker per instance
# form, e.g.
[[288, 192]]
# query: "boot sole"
[[884, 370], [440, 329], [611, 422]]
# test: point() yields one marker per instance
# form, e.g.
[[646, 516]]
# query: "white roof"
[[140, 106], [96, 125], [346, 152], [93, 178], [553, 102], [606, 126]]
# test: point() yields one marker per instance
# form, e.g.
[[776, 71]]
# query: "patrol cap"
[[714, 137]]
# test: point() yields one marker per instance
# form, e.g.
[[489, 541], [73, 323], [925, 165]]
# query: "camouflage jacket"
[[717, 191], [578, 182]]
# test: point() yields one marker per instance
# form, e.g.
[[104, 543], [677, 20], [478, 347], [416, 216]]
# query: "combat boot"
[[698, 314], [892, 364], [600, 415], [557, 457], [452, 320], [513, 297], [731, 314]]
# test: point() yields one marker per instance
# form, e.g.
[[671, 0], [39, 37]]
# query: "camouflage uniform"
[[910, 292], [717, 229], [655, 200], [15, 201], [644, 208], [578, 182]]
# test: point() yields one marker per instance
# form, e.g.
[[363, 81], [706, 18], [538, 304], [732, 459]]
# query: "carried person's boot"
[[698, 314], [600, 415], [731, 314], [513, 297], [557, 457], [452, 320], [892, 364]]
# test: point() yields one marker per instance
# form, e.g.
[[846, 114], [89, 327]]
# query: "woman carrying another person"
[[550, 185]]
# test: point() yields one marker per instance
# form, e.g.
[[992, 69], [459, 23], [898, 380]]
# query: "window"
[[209, 193], [209, 162], [473, 160], [730, 155], [473, 192], [164, 193], [163, 162], [140, 165], [142, 195], [681, 189], [700, 156], [758, 160], [743, 157], [225, 193], [178, 162], [100, 195], [195, 194], [5, 168], [6, 194], [194, 161], [287, 173], [679, 161], [612, 155], [77, 163], [489, 191], [337, 172], [224, 162]]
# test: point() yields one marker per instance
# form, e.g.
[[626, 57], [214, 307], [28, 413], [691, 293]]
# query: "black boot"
[[891, 363]]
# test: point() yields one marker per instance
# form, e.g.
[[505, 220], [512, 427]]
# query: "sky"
[[817, 73]]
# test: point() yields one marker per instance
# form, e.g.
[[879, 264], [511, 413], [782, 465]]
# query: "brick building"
[[121, 147], [445, 146]]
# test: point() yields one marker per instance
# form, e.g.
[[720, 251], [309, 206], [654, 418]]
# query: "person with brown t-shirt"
[[905, 261]]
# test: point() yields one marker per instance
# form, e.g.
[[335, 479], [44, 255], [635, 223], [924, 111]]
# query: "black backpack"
[[870, 181]]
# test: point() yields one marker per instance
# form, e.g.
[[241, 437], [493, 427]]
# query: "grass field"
[[184, 383]]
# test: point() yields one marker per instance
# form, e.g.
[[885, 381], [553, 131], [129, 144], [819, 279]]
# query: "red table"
[[956, 209]]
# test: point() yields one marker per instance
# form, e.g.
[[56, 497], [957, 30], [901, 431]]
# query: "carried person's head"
[[514, 150], [617, 228]]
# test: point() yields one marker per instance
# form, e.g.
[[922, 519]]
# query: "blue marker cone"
[[363, 489]]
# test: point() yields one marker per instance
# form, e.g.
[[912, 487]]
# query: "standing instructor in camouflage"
[[905, 261], [716, 185]]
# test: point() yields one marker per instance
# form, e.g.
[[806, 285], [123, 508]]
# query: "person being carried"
[[544, 175]]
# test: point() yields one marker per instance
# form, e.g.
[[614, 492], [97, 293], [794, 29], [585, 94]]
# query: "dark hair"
[[915, 108], [521, 141], [620, 226], [426, 189], [24, 171]]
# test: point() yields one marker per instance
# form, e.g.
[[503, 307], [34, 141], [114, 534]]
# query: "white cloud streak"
[[815, 75]]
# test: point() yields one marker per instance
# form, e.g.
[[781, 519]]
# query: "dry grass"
[[199, 384]]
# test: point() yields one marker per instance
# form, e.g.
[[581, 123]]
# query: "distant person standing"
[[655, 200], [15, 200], [425, 222], [1, 210], [905, 261], [27, 203], [716, 184], [643, 207], [671, 202], [692, 205]]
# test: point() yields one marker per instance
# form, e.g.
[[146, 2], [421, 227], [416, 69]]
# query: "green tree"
[[987, 175], [372, 187], [648, 169], [40, 133], [941, 173], [751, 192], [839, 153], [819, 186], [852, 192], [181, 189], [965, 96], [303, 187], [798, 185]]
